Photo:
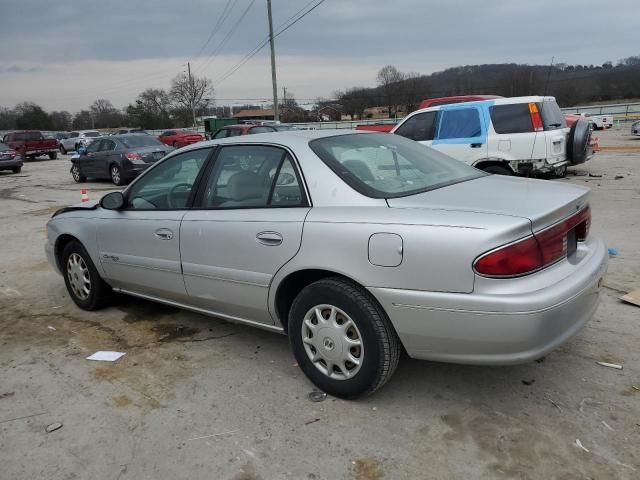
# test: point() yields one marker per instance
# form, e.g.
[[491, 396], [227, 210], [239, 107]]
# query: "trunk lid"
[[151, 154], [542, 202]]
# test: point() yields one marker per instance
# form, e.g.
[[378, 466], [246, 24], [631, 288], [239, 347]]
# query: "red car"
[[241, 129], [180, 138]]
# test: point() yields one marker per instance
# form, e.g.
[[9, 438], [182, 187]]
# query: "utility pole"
[[274, 82], [193, 108]]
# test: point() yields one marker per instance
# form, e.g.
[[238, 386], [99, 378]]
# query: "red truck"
[[31, 144]]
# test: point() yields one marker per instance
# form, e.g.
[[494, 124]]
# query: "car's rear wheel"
[[62, 150], [16, 169], [497, 170], [53, 155], [77, 176], [342, 339], [116, 175], [84, 284]]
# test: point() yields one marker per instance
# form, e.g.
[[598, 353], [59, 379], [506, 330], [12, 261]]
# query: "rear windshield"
[[135, 141], [552, 117], [91, 134], [380, 165], [4, 147]]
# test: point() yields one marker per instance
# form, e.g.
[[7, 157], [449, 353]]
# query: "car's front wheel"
[[116, 175], [63, 150], [77, 176], [16, 169], [84, 284], [342, 339]]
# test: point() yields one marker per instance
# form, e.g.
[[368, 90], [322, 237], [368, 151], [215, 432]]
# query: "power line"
[[260, 46], [216, 27], [227, 36]]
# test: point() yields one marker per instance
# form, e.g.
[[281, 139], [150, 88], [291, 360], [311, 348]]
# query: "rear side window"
[[260, 130], [420, 127], [234, 132], [459, 123], [552, 117], [514, 118]]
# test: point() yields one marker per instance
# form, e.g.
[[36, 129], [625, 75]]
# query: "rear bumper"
[[10, 164], [497, 328], [132, 170]]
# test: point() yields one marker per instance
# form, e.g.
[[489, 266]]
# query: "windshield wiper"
[[555, 124]]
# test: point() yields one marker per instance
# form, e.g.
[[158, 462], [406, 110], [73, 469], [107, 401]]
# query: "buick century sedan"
[[356, 245]]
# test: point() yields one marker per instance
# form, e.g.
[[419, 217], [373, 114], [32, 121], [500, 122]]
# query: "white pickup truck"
[[600, 122]]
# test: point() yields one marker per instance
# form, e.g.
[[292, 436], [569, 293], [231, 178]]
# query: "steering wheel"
[[174, 190]]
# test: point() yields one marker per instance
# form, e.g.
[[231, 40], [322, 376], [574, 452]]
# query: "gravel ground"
[[199, 398]]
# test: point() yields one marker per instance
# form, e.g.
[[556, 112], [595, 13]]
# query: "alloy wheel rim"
[[75, 173], [78, 275], [115, 175], [332, 342]]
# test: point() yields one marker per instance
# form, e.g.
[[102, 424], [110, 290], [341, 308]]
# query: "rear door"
[[461, 132], [248, 224], [139, 246], [512, 134], [105, 157]]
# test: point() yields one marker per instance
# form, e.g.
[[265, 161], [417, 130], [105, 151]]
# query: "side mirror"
[[112, 201], [82, 150]]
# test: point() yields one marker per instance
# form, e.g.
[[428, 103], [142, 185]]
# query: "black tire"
[[175, 144], [115, 173], [497, 170], [100, 293], [16, 169], [579, 147], [76, 174], [76, 147], [381, 346], [63, 151], [53, 155]]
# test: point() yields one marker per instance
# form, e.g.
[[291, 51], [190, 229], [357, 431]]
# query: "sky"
[[64, 54]]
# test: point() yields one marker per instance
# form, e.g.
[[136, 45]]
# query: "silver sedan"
[[356, 245]]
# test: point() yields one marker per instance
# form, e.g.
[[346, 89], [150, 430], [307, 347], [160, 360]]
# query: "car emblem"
[[328, 343]]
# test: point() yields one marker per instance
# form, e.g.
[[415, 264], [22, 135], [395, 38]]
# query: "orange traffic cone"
[[84, 195]]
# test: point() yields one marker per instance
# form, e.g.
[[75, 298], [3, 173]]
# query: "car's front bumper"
[[506, 326]]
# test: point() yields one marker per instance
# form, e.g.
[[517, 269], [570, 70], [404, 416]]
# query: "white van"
[[518, 135]]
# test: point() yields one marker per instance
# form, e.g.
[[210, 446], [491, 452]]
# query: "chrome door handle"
[[164, 234], [269, 238]]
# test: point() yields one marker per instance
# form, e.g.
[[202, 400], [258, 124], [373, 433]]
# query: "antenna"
[[546, 87]]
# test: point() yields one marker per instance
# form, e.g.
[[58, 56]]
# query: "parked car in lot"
[[180, 138], [635, 128], [77, 139], [31, 144], [119, 158], [122, 131], [518, 135], [9, 159], [600, 122], [356, 245], [242, 129]]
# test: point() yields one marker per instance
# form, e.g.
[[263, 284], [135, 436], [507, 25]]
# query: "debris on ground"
[[632, 297], [610, 365], [312, 421], [7, 395], [528, 382], [613, 252], [53, 427], [619, 177], [213, 435], [317, 396], [595, 175], [608, 426], [51, 328], [579, 444], [105, 356]]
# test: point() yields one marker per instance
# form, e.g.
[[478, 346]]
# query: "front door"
[[88, 162], [139, 246], [462, 132], [248, 225], [103, 158]]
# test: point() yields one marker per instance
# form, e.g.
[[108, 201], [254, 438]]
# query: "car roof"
[[494, 101]]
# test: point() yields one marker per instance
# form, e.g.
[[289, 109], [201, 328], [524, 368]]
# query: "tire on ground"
[[100, 293], [579, 147], [381, 346], [497, 169], [53, 155]]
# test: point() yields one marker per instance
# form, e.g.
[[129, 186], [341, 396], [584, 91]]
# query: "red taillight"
[[534, 252], [132, 156], [536, 120]]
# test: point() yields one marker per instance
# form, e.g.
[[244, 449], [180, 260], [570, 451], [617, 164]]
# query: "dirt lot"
[[199, 398]]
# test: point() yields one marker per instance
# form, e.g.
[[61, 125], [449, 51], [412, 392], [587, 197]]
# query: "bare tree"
[[191, 95], [60, 120], [388, 78], [104, 114], [150, 110]]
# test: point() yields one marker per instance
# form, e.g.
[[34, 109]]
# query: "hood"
[[542, 202], [90, 205]]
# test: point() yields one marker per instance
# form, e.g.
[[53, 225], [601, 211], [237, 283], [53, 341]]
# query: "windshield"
[[135, 141], [382, 165]]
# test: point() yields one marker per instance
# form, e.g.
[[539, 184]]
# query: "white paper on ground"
[[105, 356]]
